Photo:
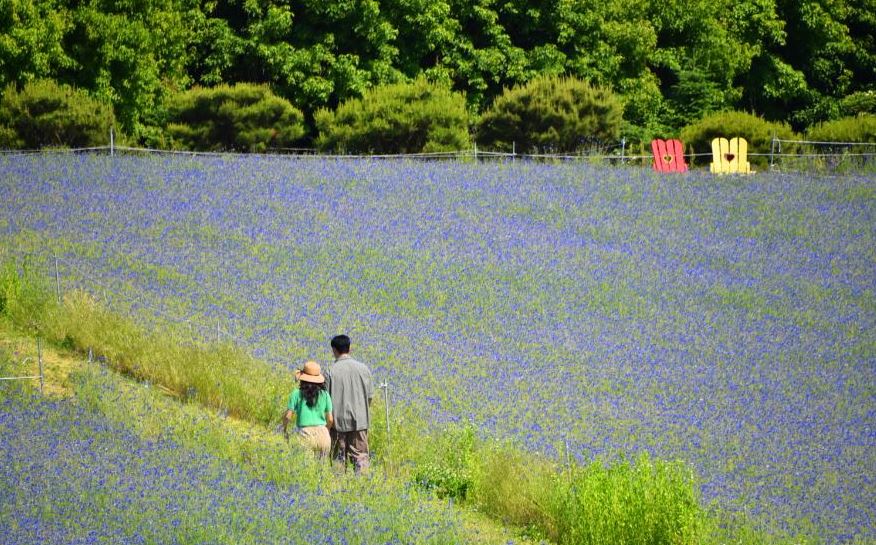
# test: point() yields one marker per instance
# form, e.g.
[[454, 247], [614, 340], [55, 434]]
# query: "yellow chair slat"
[[730, 156]]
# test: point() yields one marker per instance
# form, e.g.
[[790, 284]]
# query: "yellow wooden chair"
[[730, 156]]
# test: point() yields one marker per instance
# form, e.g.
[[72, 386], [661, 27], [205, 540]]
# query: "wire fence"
[[51, 263], [109, 293], [603, 154], [40, 376], [820, 156], [784, 155]]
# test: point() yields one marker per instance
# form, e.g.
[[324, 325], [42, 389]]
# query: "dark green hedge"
[[551, 114], [399, 118], [45, 114], [243, 117], [860, 128]]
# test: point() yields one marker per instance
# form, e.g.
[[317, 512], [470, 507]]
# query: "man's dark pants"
[[350, 447]]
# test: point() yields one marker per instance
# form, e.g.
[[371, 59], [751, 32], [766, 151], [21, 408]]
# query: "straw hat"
[[311, 372]]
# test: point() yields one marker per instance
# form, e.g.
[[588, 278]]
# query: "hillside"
[[100, 456], [711, 337]]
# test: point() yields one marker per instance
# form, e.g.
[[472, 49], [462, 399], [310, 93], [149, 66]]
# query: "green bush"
[[399, 118], [646, 502], [9, 138], [551, 114], [46, 114], [243, 117], [848, 129], [862, 102], [446, 469], [756, 130]]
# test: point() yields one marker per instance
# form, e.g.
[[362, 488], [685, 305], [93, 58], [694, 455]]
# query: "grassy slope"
[[67, 374], [652, 502]]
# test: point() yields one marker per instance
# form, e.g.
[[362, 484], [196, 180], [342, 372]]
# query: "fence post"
[[623, 148], [57, 281], [772, 151], [40, 360], [568, 454], [112, 142], [475, 148], [385, 387]]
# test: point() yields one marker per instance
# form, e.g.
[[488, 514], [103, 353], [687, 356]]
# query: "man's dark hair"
[[341, 343]]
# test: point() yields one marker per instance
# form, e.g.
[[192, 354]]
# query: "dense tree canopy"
[[672, 61]]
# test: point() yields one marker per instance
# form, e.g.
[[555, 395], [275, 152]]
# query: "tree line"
[[670, 62]]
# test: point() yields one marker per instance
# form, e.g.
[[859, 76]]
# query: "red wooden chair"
[[668, 155]]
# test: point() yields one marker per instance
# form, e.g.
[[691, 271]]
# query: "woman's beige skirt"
[[316, 438]]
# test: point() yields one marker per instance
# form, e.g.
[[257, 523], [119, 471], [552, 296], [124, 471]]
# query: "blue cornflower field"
[[580, 311], [73, 476]]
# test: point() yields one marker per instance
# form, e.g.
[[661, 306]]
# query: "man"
[[349, 384]]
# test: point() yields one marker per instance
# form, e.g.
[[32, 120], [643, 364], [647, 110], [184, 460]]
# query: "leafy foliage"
[[826, 53], [131, 54], [643, 502], [241, 117], [31, 34], [757, 131], [859, 103], [848, 129], [44, 113], [560, 114], [397, 118], [449, 465], [672, 61]]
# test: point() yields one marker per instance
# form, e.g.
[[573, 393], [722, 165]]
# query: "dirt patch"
[[58, 364]]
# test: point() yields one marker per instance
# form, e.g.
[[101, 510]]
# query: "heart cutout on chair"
[[729, 156], [667, 159]]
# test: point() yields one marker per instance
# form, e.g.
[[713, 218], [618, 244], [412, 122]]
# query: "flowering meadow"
[[579, 311], [73, 476]]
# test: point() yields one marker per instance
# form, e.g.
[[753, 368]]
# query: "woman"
[[312, 407]]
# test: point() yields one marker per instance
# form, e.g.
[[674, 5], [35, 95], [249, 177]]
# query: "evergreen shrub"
[[558, 114], [242, 117], [398, 118], [860, 128], [756, 130], [44, 113], [862, 102]]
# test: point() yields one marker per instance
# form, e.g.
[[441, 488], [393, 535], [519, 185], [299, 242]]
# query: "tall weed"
[[24, 296], [219, 376]]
